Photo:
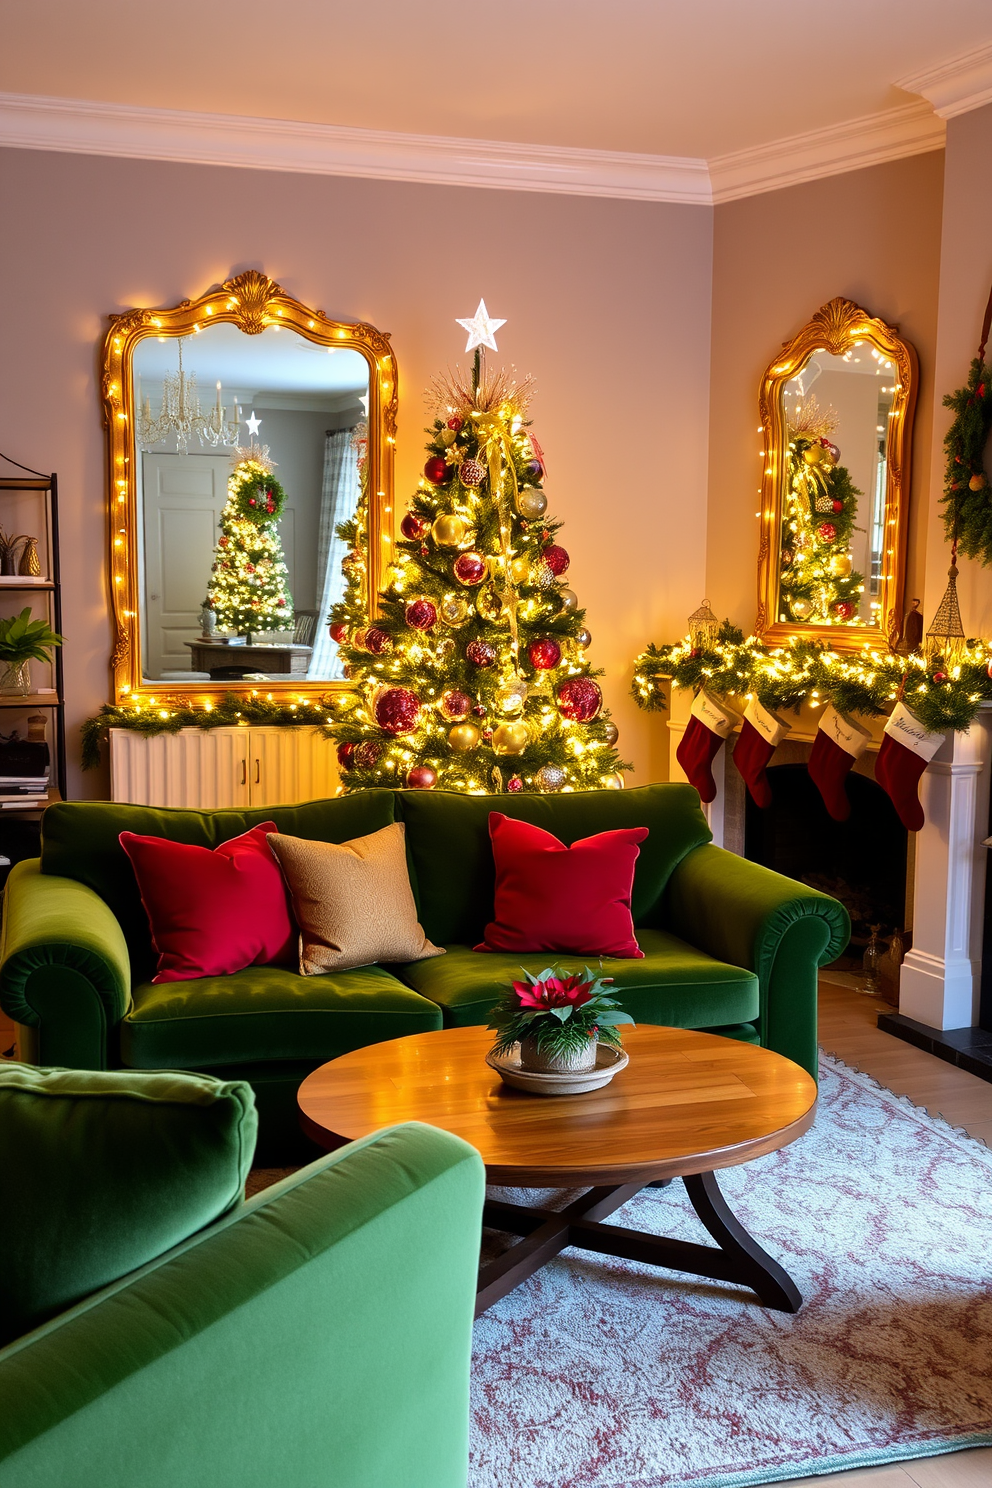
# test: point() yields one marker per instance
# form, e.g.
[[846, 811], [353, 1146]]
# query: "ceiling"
[[696, 78]]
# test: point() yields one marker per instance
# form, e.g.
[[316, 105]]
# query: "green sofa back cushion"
[[103, 1172], [79, 840], [448, 843]]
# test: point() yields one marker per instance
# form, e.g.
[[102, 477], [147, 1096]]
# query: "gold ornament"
[[611, 733], [583, 638], [454, 609], [511, 697], [813, 454], [569, 600], [613, 782], [448, 436], [490, 604], [519, 570], [532, 503], [449, 530], [977, 483], [841, 564], [463, 736], [511, 738], [802, 608]]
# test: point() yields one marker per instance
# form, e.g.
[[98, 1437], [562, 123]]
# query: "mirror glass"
[[836, 411], [222, 596]]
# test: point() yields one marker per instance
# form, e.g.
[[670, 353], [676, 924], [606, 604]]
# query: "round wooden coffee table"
[[686, 1105]]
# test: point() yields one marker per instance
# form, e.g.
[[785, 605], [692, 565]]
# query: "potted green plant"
[[558, 1019], [23, 640]]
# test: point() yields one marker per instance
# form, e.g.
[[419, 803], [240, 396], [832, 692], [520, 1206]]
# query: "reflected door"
[[183, 496]]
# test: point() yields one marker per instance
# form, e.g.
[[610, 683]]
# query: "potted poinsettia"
[[558, 1019], [23, 640]]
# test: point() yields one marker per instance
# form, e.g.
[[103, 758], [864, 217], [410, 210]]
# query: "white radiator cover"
[[208, 768]]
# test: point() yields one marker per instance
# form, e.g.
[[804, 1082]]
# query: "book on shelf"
[[21, 801]]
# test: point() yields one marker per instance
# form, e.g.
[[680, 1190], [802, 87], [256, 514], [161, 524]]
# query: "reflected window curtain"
[[339, 497]]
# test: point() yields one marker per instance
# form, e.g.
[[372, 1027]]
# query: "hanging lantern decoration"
[[946, 639], [704, 628]]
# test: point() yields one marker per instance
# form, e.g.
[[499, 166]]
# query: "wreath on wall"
[[967, 507], [259, 497]]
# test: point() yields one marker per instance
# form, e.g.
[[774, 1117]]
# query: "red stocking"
[[906, 750], [761, 733], [839, 742], [709, 724]]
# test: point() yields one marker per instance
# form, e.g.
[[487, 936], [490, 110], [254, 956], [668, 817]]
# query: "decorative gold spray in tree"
[[473, 676], [248, 589], [819, 584]]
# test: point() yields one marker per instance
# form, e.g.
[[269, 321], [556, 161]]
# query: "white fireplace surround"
[[941, 975]]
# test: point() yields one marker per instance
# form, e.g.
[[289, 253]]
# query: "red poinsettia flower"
[[553, 992]]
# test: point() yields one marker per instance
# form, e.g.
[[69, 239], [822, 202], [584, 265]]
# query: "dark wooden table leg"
[[753, 1265]]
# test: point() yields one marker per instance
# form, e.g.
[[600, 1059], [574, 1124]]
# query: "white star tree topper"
[[481, 329], [253, 424]]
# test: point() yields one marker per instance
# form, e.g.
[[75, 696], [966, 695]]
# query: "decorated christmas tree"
[[248, 590], [473, 675], [818, 584]]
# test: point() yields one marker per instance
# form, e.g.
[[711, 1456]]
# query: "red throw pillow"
[[571, 900], [213, 913]]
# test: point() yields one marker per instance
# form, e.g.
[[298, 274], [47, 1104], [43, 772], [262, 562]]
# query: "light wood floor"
[[847, 1029]]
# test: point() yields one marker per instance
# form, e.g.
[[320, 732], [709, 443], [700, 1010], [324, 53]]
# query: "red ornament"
[[413, 527], [557, 559], [481, 654], [249, 568], [421, 614], [456, 705], [940, 676], [579, 699], [421, 777], [455, 423], [470, 568], [424, 550], [377, 641], [480, 710], [471, 472], [487, 734], [437, 470], [838, 506], [346, 756], [544, 655], [367, 755], [843, 609], [514, 784], [397, 710], [826, 532], [339, 631]]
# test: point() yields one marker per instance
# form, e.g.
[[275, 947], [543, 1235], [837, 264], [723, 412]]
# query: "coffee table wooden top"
[[686, 1103]]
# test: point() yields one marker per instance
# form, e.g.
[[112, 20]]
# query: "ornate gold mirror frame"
[[837, 328], [251, 301]]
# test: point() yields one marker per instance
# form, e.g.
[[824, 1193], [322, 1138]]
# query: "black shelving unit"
[[19, 839]]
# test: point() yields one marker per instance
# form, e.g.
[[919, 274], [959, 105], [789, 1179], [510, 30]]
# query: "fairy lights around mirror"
[[254, 304], [836, 412]]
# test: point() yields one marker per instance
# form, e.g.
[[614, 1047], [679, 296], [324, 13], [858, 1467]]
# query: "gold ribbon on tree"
[[496, 450]]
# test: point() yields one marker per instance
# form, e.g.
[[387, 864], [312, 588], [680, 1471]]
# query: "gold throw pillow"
[[352, 900]]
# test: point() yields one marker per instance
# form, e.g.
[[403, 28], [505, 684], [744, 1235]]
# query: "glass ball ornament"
[[531, 503], [456, 705], [844, 609], [583, 638], [471, 473], [455, 423], [613, 782], [378, 641], [569, 600], [550, 778], [444, 649], [463, 737], [414, 527], [454, 610], [449, 530], [802, 608], [511, 697], [346, 755], [514, 784], [339, 631], [841, 565], [511, 738], [519, 570], [470, 568], [557, 559], [481, 654], [367, 755], [826, 532], [611, 733], [535, 468], [579, 699], [421, 777], [397, 710], [353, 563], [544, 655], [421, 614], [490, 605], [437, 470]]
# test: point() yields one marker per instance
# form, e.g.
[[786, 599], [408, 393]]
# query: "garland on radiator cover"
[[233, 711]]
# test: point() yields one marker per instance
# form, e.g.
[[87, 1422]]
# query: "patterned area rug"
[[602, 1373]]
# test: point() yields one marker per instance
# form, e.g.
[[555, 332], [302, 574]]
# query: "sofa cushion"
[[454, 876], [268, 1013], [674, 985], [103, 1172], [79, 840]]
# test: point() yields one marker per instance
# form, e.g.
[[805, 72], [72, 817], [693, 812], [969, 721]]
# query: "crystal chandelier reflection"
[[180, 414]]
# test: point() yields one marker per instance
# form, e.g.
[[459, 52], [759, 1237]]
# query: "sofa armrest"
[[319, 1334], [782, 930], [64, 971]]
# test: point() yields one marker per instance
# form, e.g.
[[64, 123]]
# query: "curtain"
[[339, 497]]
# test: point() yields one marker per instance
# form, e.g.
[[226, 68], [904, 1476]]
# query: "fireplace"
[[862, 862]]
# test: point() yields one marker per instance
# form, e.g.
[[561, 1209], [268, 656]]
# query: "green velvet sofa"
[[729, 946], [318, 1334]]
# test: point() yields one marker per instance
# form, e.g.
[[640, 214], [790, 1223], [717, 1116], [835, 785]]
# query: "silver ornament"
[[583, 638], [542, 574], [550, 778], [612, 733], [569, 600], [531, 503]]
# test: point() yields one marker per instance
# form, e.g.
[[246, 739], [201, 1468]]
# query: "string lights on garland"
[[232, 710]]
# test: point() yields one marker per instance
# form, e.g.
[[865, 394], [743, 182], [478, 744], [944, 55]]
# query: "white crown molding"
[[957, 86], [28, 121], [911, 129]]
